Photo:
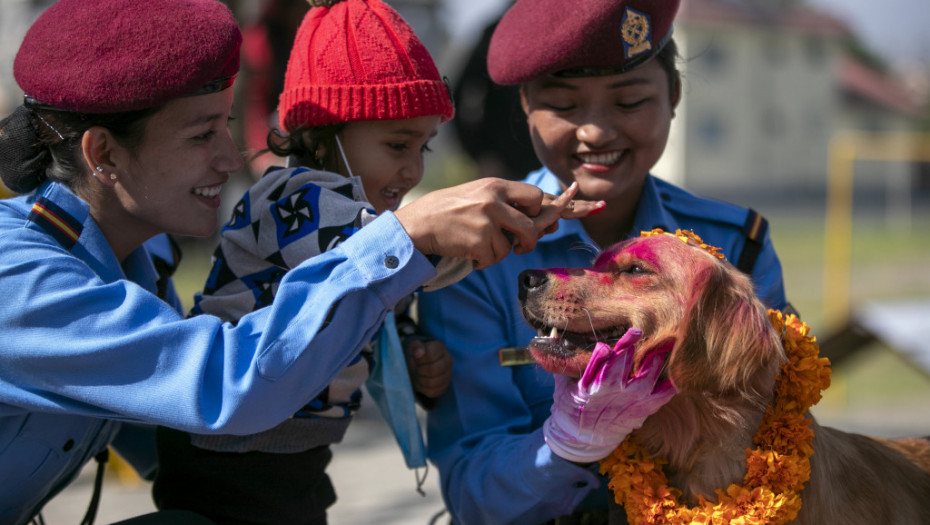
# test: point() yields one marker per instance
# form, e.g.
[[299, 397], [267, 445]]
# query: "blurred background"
[[812, 112]]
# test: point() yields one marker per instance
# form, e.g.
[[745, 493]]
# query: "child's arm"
[[429, 363]]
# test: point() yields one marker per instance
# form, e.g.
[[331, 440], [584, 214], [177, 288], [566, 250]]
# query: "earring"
[[112, 176], [99, 169]]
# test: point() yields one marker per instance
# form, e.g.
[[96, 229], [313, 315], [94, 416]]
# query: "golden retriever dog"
[[724, 362]]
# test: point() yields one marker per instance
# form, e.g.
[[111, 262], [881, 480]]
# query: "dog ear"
[[728, 347]]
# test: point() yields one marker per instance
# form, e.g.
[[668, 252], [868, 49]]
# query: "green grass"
[[876, 390], [885, 262], [195, 265]]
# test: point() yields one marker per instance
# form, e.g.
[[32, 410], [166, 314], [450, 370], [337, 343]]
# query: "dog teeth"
[[553, 333]]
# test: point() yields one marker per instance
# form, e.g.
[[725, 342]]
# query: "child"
[[361, 101]]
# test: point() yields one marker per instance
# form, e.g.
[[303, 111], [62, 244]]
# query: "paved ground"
[[373, 484]]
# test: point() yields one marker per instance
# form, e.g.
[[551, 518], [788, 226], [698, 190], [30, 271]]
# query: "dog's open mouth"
[[563, 343]]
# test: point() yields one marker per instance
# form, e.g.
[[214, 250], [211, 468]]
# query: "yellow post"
[[846, 147], [838, 232]]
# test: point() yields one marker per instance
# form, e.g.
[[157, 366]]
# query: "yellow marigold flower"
[[686, 236]]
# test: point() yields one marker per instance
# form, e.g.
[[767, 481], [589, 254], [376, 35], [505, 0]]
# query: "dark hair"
[[38, 143], [667, 58], [304, 143]]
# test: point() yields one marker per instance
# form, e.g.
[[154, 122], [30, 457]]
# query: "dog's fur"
[[724, 361]]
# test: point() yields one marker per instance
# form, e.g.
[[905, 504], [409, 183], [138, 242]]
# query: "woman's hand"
[[592, 415], [563, 207], [484, 219]]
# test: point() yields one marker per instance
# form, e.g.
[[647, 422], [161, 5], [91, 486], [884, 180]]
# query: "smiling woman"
[[599, 86], [170, 181], [121, 140]]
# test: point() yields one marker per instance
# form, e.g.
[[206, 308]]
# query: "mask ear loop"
[[343, 153]]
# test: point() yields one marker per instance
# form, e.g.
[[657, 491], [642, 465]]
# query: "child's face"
[[388, 156], [604, 132]]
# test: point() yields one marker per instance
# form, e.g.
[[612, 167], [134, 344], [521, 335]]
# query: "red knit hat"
[[536, 38], [108, 56], [359, 60]]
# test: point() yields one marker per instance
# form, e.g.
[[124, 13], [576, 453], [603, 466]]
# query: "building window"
[[714, 57], [711, 131]]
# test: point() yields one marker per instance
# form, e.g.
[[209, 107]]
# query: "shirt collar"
[[651, 211]]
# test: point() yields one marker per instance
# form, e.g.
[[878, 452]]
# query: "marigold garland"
[[685, 236], [775, 471]]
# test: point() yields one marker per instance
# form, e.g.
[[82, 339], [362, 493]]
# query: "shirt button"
[[581, 484], [391, 262], [68, 445]]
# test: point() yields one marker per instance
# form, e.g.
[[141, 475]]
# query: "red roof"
[[865, 82]]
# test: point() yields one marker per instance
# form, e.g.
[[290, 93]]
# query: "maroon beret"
[[108, 56], [536, 38]]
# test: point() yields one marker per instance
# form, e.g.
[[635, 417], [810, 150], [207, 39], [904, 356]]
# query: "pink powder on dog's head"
[[641, 251]]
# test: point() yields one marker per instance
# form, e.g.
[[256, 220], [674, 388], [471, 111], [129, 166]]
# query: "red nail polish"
[[603, 206]]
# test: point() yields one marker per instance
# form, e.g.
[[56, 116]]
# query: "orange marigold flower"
[[776, 470]]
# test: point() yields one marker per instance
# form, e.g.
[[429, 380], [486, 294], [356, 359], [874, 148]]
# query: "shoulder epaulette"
[[56, 222], [754, 229], [683, 202]]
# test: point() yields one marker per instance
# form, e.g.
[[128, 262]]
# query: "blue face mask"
[[389, 386]]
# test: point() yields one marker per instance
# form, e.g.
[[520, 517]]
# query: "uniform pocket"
[[41, 453]]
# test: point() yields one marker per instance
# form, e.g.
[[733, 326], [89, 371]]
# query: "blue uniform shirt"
[[485, 433], [85, 343]]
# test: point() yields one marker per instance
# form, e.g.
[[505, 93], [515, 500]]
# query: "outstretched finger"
[[553, 207], [576, 209], [564, 206], [569, 207]]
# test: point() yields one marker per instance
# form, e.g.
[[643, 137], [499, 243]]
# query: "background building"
[[768, 84]]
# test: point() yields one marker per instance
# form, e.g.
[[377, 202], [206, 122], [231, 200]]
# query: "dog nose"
[[530, 281]]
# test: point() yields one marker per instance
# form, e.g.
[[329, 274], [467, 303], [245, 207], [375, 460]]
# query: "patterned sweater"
[[288, 216]]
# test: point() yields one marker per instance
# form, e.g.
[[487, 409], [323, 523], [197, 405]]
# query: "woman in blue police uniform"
[[599, 86], [123, 138]]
